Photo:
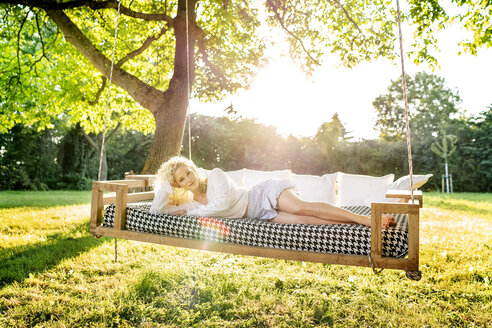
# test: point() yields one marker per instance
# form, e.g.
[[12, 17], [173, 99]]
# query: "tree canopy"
[[55, 57]]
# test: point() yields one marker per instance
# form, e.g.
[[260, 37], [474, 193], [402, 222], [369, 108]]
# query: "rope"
[[115, 250], [188, 82], [107, 115], [409, 144], [374, 269], [109, 91]]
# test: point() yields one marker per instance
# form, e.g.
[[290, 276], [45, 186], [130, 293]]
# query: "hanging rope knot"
[[374, 269]]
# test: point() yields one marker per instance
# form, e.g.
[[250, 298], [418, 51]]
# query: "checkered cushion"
[[335, 238]]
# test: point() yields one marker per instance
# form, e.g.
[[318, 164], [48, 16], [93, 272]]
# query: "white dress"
[[225, 198]]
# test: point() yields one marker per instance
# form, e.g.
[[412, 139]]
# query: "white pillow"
[[252, 177], [315, 188], [354, 189], [204, 172], [236, 176], [402, 183]]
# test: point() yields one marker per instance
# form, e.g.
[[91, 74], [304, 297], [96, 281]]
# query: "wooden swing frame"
[[129, 190], [119, 194]]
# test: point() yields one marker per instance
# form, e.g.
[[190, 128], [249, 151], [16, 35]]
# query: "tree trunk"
[[170, 116], [168, 134], [169, 107]]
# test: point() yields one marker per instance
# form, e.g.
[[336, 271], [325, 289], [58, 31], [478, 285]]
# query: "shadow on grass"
[[16, 263], [172, 296]]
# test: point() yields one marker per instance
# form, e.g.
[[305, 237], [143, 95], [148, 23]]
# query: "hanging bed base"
[[121, 196]]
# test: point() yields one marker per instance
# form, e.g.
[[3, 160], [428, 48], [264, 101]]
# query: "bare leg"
[[284, 217], [289, 202]]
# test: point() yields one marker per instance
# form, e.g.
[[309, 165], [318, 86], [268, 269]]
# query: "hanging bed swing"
[[120, 209]]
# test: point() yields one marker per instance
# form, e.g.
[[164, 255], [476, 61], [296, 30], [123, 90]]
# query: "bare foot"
[[387, 221]]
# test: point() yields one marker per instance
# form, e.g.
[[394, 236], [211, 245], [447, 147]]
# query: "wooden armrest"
[[134, 197], [406, 195], [120, 187], [396, 208], [136, 183], [150, 178], [118, 194], [412, 210]]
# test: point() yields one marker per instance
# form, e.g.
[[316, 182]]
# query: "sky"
[[282, 96]]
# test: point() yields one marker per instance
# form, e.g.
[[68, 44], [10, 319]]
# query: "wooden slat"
[[406, 195], [146, 195], [120, 207], [130, 183], [398, 208], [135, 197], [376, 242], [96, 206], [403, 193], [147, 177], [109, 198], [413, 239], [343, 259]]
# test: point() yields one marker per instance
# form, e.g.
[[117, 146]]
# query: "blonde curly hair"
[[166, 173]]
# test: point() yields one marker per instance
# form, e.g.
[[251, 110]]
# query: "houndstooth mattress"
[[337, 238]]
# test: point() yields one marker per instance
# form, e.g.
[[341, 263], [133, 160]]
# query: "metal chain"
[[188, 81], [409, 144]]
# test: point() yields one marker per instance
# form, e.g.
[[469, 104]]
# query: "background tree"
[[329, 136], [483, 139], [431, 104], [473, 159], [60, 158], [444, 148]]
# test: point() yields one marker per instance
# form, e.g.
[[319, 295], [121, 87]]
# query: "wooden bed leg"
[[413, 245], [410, 264], [96, 208], [376, 239], [120, 210]]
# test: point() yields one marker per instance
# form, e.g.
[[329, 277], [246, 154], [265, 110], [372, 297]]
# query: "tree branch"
[[95, 5], [144, 94], [347, 15], [90, 141], [112, 132], [143, 47], [93, 143], [41, 38], [281, 21], [201, 47], [18, 46], [99, 92]]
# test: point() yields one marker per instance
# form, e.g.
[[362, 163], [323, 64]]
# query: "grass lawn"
[[10, 199], [53, 273]]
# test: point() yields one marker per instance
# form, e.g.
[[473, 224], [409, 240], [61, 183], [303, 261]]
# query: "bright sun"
[[281, 94]]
